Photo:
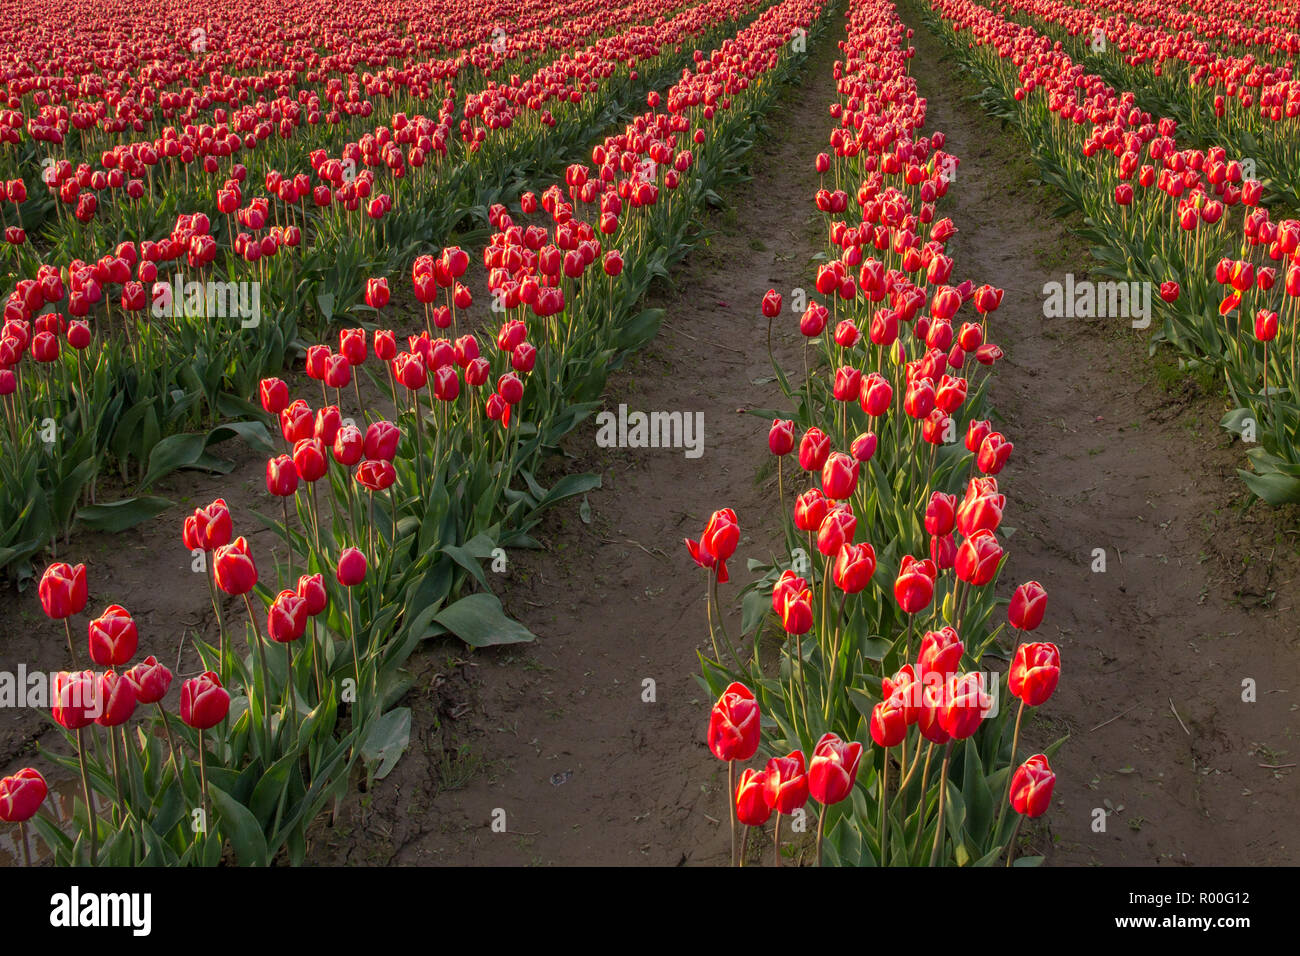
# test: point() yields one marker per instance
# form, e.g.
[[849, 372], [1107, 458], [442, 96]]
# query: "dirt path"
[[1158, 646], [557, 734]]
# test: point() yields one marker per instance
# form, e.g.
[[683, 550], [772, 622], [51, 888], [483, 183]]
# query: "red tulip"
[[772, 304], [63, 590], [119, 701], [810, 509], [1034, 673], [113, 637], [204, 702], [751, 798], [381, 440], [1031, 786], [213, 525], [734, 724], [310, 459], [833, 769], [786, 786], [722, 534], [940, 513], [150, 680], [311, 588], [863, 447], [889, 722], [792, 600], [76, 701], [814, 449], [780, 439], [287, 617], [836, 530], [281, 476], [275, 395], [965, 702], [981, 508], [234, 569], [914, 586], [21, 795], [377, 293], [352, 567], [854, 566], [978, 558], [376, 474], [1028, 604], [940, 654], [839, 476]]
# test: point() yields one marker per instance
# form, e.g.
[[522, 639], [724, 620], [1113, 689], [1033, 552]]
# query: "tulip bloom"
[[1027, 607], [814, 449], [1031, 787], [734, 724], [63, 590], [780, 439], [940, 653], [786, 787], [281, 476], [854, 566], [810, 510], [833, 769], [772, 304], [751, 798], [21, 795], [839, 476], [204, 702], [150, 680], [964, 704], [1034, 673], [234, 569], [793, 600], [76, 701], [118, 697], [286, 619], [978, 558], [914, 586], [113, 637], [889, 721], [311, 588]]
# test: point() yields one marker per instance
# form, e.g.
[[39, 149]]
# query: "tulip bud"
[[352, 567]]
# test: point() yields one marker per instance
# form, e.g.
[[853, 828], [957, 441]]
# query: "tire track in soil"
[[556, 733], [1105, 458]]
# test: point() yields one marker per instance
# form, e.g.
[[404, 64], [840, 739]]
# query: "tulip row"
[[1249, 106], [77, 391], [400, 513], [1183, 220], [876, 663]]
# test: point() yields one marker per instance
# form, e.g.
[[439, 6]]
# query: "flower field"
[[732, 432]]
